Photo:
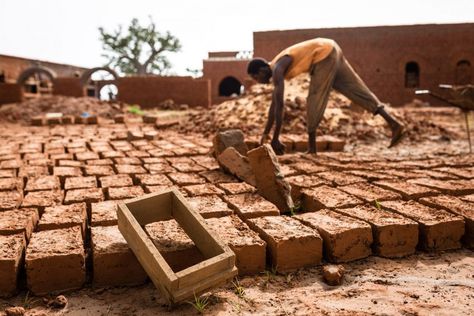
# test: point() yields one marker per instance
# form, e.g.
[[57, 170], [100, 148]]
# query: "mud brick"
[[327, 197], [76, 150], [345, 238], [90, 195], [42, 199], [154, 179], [104, 213], [87, 155], [406, 189], [135, 135], [11, 184], [158, 188], [209, 206], [58, 253], [10, 199], [112, 154], [174, 245], [466, 172], [122, 193], [202, 189], [137, 154], [290, 244], [130, 169], [128, 161], [11, 255], [64, 216], [439, 229], [181, 178], [176, 160], [334, 143], [151, 160], [188, 167], [300, 182], [394, 235], [230, 138], [232, 162], [69, 163], [467, 198], [64, 172], [93, 119], [249, 248], [435, 174], [11, 164], [37, 121], [42, 183], [207, 162], [217, 176], [340, 178], [68, 119], [452, 187], [118, 180], [158, 152], [100, 162], [35, 156], [237, 188], [61, 156], [7, 173], [369, 192], [157, 168], [308, 167], [251, 205], [458, 207], [18, 221], [119, 119], [40, 162], [98, 171]]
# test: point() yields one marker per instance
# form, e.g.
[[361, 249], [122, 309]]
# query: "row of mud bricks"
[[53, 209]]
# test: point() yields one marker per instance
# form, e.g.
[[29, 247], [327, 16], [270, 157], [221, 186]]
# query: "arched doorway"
[[463, 72], [108, 92], [412, 75], [230, 86], [95, 79], [37, 81]]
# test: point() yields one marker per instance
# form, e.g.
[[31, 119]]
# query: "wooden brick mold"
[[218, 267]]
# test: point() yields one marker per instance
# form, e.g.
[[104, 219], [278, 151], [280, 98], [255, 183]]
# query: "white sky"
[[65, 31]]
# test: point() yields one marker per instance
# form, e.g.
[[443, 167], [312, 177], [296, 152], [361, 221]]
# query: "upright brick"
[[230, 138], [251, 205], [11, 254], [232, 162]]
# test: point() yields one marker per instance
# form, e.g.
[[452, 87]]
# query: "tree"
[[140, 50]]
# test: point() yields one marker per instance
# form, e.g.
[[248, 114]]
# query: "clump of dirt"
[[24, 111]]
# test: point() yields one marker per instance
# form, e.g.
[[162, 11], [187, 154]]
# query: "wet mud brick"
[[64, 172], [251, 205], [98, 171], [128, 161], [11, 255], [394, 235], [130, 169], [64, 216], [87, 155], [327, 197], [153, 179], [114, 263], [104, 213], [290, 244], [406, 189], [234, 163], [345, 238], [369, 192], [230, 138], [300, 182], [340, 178], [117, 180], [122, 193], [217, 176], [88, 196], [439, 229], [271, 183], [452, 187], [80, 183], [19, 221], [209, 206], [249, 248], [42, 199], [174, 245], [237, 188], [42, 183], [459, 207], [10, 200], [202, 189], [181, 178], [55, 261]]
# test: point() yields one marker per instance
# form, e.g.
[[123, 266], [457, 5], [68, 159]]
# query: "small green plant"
[[377, 205], [238, 289], [28, 301], [289, 278], [295, 209], [200, 303], [135, 109]]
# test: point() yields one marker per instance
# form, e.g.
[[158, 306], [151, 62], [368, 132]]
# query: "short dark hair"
[[255, 64]]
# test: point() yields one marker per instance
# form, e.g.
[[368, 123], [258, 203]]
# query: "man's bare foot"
[[397, 135]]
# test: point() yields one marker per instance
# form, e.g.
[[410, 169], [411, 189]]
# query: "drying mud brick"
[[7, 173], [118, 180], [42, 183], [153, 179], [99, 170], [459, 207], [10, 184], [174, 245], [122, 193], [181, 178], [104, 213], [87, 155], [58, 253], [439, 229], [230, 138], [209, 206], [237, 188], [217, 176], [300, 182], [340, 178], [290, 244], [406, 189], [345, 238], [64, 216], [10, 200], [202, 189], [394, 235], [251, 205], [249, 248], [84, 195], [326, 197], [231, 161], [452, 187], [128, 160], [80, 183], [42, 199], [467, 198], [11, 254], [19, 221], [114, 263], [64, 172], [370, 193], [271, 183]]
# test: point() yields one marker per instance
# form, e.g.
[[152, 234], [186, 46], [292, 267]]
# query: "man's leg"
[[349, 83], [322, 79]]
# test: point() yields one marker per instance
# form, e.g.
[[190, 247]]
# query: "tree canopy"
[[138, 50]]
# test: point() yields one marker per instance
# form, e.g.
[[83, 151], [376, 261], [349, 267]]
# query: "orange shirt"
[[304, 55]]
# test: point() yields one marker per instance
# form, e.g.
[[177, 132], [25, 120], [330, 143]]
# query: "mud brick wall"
[[150, 91], [10, 93], [69, 87], [380, 54]]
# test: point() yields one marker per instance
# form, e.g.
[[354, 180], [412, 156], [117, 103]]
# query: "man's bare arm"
[[278, 93]]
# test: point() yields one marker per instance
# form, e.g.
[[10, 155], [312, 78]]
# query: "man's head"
[[259, 70]]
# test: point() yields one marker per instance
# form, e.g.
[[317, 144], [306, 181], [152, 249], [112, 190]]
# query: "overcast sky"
[[65, 31]]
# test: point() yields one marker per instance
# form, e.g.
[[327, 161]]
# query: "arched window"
[[463, 72], [230, 86], [412, 75], [108, 92]]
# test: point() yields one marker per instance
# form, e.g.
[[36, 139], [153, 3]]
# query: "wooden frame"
[[219, 266]]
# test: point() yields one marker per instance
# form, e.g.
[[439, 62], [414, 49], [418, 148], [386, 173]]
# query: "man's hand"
[[278, 147], [264, 139]]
